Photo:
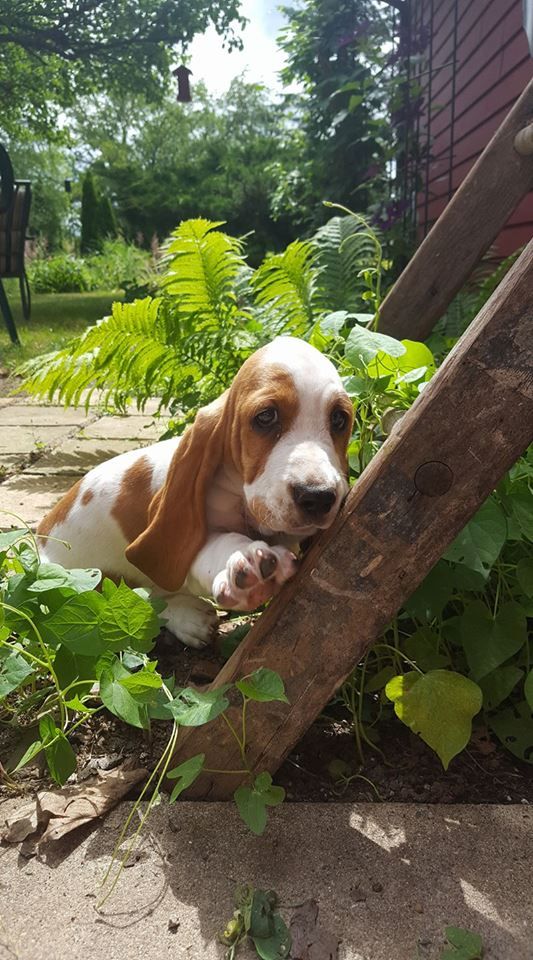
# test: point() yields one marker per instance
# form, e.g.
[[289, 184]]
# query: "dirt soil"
[[324, 765]]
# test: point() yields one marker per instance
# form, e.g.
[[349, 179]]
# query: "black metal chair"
[[15, 204]]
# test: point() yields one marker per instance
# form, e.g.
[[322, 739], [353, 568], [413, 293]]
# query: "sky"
[[260, 58]]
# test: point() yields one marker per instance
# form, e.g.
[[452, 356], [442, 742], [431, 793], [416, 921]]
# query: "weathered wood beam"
[[442, 460], [464, 231]]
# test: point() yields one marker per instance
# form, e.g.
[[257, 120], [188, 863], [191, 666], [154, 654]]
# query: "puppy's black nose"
[[315, 501]]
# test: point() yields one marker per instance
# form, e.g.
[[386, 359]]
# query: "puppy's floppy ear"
[[177, 530]]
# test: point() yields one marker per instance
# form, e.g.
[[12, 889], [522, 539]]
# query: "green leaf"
[[142, 684], [521, 503], [128, 621], [263, 685], [60, 758], [49, 576], [479, 544], [76, 624], [466, 945], [332, 324], [277, 945], [430, 598], [524, 575], [70, 667], [514, 728], [363, 345], [253, 801], [417, 356], [14, 670], [379, 680], [439, 706], [185, 774], [423, 647], [120, 702], [528, 689], [32, 751], [497, 686], [191, 708], [10, 537], [489, 642]]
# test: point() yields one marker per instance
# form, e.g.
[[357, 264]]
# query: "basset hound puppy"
[[220, 511]]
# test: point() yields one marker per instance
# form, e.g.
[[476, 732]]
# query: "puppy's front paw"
[[191, 620], [253, 576]]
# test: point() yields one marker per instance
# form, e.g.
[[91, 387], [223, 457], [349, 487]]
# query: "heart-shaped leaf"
[[192, 708], [479, 544], [263, 685], [489, 641], [439, 706]]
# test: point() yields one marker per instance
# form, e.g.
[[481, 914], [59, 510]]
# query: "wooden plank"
[[464, 231], [448, 452]]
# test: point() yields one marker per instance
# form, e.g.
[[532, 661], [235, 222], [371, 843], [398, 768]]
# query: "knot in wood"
[[433, 478]]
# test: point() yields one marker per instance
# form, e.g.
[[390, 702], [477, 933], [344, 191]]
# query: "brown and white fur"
[[219, 511]]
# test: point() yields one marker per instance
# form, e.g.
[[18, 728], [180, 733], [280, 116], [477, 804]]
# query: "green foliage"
[[461, 643], [464, 944], [61, 274], [439, 705], [118, 265], [338, 53], [211, 313], [49, 57], [69, 650], [107, 220], [256, 916]]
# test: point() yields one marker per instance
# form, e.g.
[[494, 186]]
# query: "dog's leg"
[[240, 573], [191, 619]]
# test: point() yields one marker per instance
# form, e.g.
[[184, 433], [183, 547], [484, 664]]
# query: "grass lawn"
[[55, 319]]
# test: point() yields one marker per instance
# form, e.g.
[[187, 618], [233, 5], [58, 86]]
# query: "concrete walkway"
[[388, 879], [44, 449]]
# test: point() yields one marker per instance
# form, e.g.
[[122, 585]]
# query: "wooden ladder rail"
[[472, 220], [447, 454]]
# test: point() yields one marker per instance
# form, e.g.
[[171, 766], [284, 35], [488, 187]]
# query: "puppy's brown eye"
[[266, 419], [339, 420]]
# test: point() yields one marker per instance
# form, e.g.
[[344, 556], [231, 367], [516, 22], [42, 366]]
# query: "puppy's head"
[[292, 424], [284, 427]]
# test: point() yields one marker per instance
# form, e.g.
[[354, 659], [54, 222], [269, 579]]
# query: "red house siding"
[[476, 63]]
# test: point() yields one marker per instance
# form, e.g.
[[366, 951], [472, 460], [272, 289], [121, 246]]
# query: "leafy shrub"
[[68, 650], [60, 274], [461, 643], [120, 265]]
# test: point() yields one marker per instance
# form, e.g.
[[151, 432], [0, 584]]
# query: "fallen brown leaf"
[[54, 813], [309, 942]]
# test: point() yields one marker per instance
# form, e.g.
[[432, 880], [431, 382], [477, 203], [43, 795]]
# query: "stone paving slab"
[[126, 428], [30, 497], [388, 879], [25, 439], [77, 456], [24, 414]]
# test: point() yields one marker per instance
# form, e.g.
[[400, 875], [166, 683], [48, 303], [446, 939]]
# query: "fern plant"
[[185, 345]]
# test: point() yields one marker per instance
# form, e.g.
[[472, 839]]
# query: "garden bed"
[[323, 767]]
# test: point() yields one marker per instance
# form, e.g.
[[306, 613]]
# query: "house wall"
[[475, 64]]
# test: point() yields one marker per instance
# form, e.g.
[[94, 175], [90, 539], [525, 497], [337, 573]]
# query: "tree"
[[339, 52], [212, 158], [90, 227], [53, 52], [107, 223]]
